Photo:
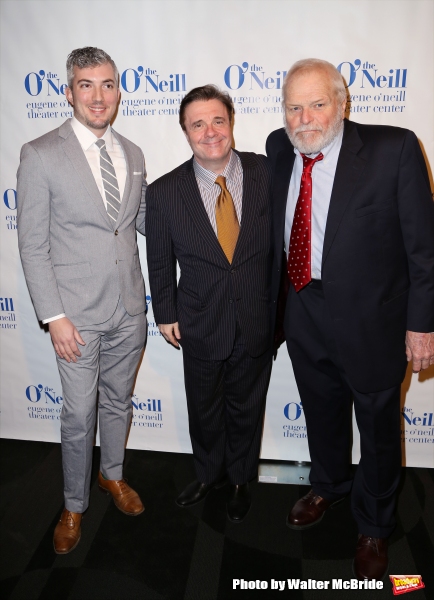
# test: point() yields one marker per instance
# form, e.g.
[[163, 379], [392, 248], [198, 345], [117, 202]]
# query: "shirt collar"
[[207, 178], [87, 138], [334, 146]]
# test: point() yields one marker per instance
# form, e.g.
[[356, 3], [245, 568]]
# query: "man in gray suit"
[[81, 196]]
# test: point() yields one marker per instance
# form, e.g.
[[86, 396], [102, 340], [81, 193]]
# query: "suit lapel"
[[282, 177], [192, 199], [249, 205], [129, 163], [74, 152], [348, 171]]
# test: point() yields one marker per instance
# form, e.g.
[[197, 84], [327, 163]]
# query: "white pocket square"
[[137, 173]]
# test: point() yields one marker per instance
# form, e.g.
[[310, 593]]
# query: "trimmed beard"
[[92, 125], [315, 146]]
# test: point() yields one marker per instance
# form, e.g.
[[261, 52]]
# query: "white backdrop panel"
[[163, 49]]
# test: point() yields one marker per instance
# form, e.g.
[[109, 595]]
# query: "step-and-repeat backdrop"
[[163, 49]]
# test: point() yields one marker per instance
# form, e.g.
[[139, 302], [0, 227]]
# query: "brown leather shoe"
[[125, 498], [371, 560], [67, 533], [308, 511]]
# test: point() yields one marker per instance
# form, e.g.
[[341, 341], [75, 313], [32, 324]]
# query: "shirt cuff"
[[45, 321]]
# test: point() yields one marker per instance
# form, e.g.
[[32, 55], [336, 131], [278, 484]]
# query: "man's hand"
[[65, 337], [420, 349], [170, 333]]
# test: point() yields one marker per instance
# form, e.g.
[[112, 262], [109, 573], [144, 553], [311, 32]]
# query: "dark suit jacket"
[[378, 256], [211, 293]]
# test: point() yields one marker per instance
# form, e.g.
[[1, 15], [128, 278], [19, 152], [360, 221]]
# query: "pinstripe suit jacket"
[[211, 294]]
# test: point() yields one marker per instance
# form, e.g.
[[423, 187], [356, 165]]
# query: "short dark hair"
[[204, 93], [83, 58]]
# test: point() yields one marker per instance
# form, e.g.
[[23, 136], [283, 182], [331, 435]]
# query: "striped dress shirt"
[[210, 191]]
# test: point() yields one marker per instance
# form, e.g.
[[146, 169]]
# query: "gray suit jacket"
[[75, 260]]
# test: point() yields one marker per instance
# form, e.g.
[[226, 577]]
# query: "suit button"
[[116, 232], [233, 271], [230, 301]]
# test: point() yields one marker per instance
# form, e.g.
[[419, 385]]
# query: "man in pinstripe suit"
[[212, 215]]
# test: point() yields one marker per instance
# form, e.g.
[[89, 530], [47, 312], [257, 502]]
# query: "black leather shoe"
[[308, 511], [239, 502], [371, 560], [194, 493]]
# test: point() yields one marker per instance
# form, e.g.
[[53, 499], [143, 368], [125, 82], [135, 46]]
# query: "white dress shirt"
[[323, 175], [87, 141]]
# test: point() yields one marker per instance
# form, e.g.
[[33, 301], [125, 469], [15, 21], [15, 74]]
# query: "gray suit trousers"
[[106, 368]]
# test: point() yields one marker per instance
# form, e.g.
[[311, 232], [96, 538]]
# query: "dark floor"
[[173, 553]]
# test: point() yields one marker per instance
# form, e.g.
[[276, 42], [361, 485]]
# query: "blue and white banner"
[[163, 48]]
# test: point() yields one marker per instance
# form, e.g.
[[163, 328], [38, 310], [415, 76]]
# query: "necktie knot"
[[100, 143], [309, 162], [221, 181]]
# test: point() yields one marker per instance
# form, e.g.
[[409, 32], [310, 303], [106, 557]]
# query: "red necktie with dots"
[[299, 255]]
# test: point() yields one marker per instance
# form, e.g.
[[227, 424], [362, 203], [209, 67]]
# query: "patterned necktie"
[[299, 255], [228, 227], [110, 182]]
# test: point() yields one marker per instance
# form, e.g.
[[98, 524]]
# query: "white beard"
[[319, 140]]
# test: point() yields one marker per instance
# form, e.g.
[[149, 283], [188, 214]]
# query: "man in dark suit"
[[353, 213], [212, 215]]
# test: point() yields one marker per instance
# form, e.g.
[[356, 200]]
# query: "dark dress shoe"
[[371, 560], [308, 511], [239, 502], [194, 493]]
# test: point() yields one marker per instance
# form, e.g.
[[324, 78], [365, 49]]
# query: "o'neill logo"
[[147, 414], [7, 314], [10, 201], [46, 404], [151, 81], [254, 76], [54, 106], [417, 428], [369, 76], [292, 412], [35, 393], [374, 89], [34, 83]]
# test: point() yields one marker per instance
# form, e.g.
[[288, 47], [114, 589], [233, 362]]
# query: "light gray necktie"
[[109, 181]]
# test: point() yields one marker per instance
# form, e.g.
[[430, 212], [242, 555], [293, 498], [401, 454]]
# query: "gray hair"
[[85, 58], [316, 64]]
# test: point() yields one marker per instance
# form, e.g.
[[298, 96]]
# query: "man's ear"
[[69, 96]]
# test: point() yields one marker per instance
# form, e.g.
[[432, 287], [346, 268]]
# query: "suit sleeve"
[[416, 210], [33, 214], [141, 215], [161, 262]]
